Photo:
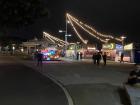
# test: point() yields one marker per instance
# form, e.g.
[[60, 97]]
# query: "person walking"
[[77, 55], [39, 58], [94, 56], [104, 58], [98, 58], [81, 55], [121, 58]]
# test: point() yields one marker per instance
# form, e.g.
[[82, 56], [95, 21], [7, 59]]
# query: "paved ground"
[[21, 85], [86, 83]]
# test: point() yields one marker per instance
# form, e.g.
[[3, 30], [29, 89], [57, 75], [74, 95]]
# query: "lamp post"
[[107, 40], [66, 40], [66, 33]]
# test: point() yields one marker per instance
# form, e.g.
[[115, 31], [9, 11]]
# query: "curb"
[[69, 98], [128, 96]]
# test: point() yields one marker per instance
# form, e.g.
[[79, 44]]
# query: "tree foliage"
[[18, 13]]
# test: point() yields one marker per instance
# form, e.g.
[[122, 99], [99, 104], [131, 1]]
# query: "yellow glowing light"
[[53, 39], [71, 19], [76, 31], [89, 32], [92, 29]]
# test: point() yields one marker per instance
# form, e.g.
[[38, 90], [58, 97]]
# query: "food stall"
[[132, 52], [128, 53], [112, 50]]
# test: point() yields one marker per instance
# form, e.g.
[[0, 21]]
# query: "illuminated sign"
[[128, 47], [119, 47], [110, 46], [91, 48]]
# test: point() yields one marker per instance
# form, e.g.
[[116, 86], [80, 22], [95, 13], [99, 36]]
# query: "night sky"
[[116, 17]]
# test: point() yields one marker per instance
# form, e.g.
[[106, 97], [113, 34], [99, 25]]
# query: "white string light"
[[76, 31], [96, 32], [48, 37], [57, 39], [54, 39], [102, 40]]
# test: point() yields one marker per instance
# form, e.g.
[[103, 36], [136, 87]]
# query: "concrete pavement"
[[21, 85], [88, 84]]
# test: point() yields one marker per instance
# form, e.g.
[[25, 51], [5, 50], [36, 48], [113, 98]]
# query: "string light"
[[89, 27], [76, 31], [48, 37], [54, 39], [102, 40], [57, 39]]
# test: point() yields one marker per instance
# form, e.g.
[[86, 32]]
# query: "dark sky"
[[117, 17]]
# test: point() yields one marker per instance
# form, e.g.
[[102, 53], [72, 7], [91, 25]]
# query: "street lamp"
[[107, 40], [66, 33], [61, 31]]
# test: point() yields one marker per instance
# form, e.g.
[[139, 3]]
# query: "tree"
[[19, 13]]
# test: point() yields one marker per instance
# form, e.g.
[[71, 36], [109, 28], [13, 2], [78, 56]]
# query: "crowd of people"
[[98, 56]]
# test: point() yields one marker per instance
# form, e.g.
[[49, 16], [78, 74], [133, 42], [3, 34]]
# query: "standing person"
[[94, 56], [81, 55], [104, 58], [35, 55], [77, 56], [98, 58], [39, 58], [122, 55]]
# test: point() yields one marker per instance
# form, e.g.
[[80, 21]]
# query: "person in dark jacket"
[[104, 58], [94, 56], [121, 58], [81, 55], [39, 58], [98, 58]]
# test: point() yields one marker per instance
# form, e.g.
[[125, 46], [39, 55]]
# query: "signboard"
[[119, 47], [128, 47], [109, 46]]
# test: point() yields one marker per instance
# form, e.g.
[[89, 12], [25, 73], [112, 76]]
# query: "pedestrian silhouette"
[[104, 58], [77, 55], [98, 58], [39, 58], [121, 58], [94, 56], [81, 55]]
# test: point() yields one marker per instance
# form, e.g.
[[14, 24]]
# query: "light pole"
[[66, 40], [66, 33], [107, 40]]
